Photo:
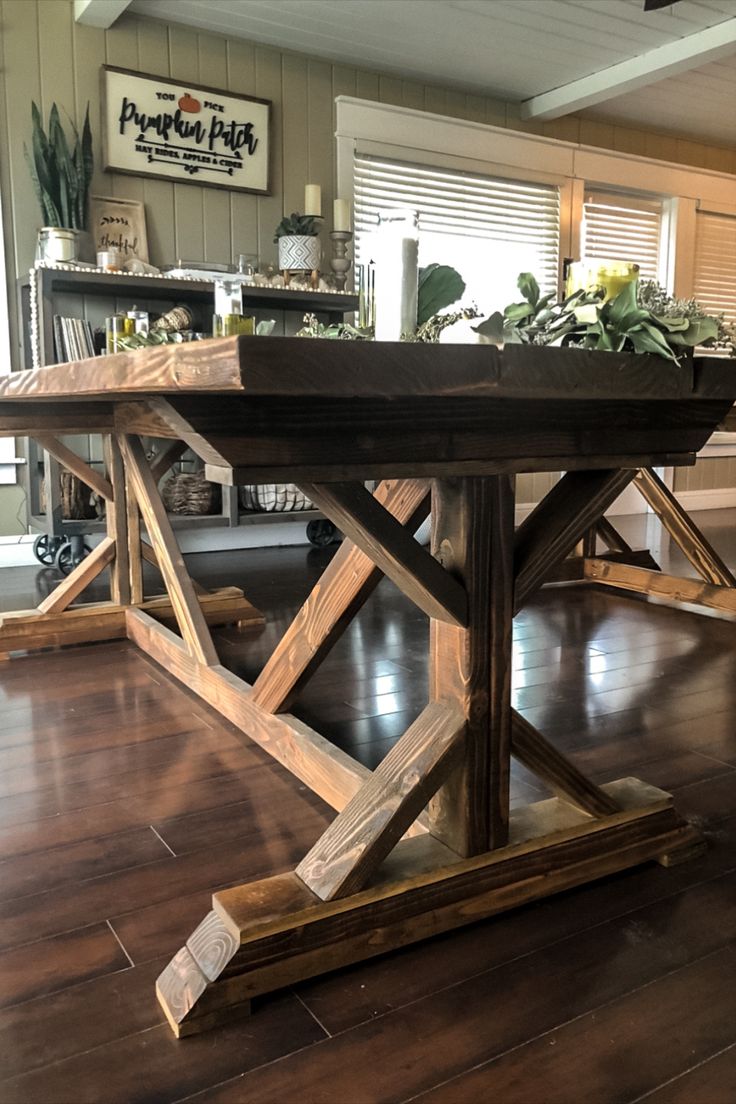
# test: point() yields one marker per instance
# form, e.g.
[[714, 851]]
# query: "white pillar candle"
[[341, 215], [312, 199]]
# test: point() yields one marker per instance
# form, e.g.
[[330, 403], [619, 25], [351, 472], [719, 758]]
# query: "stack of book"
[[72, 339]]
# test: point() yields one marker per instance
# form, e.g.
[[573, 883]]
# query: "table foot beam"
[[29, 630], [667, 589], [267, 934]]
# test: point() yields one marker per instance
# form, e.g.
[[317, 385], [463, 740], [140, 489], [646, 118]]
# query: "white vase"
[[57, 244], [299, 252]]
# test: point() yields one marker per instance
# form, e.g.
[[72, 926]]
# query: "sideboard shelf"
[[94, 295]]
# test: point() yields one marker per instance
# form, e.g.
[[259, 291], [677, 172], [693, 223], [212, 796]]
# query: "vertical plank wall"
[[47, 57]]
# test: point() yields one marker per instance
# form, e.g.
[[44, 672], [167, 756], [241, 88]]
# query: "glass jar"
[[228, 319], [139, 319], [116, 327], [232, 325], [595, 272]]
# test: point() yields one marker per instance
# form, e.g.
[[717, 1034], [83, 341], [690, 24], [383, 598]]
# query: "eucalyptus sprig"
[[340, 331]]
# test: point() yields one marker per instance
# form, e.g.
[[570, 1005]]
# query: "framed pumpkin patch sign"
[[153, 126]]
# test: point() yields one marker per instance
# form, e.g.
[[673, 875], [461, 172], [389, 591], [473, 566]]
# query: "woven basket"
[[76, 498], [191, 494], [274, 498]]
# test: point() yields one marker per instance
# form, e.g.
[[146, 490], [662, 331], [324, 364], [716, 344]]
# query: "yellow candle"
[[312, 199], [341, 215]]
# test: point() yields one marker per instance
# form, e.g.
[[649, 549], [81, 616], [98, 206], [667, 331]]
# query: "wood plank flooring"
[[124, 802]]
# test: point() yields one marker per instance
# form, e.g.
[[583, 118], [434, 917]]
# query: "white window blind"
[[714, 284], [489, 229], [623, 228]]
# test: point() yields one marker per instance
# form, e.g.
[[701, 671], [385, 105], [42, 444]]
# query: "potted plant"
[[299, 246], [61, 179]]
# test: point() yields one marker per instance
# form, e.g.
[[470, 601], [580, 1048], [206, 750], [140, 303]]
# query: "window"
[[714, 281], [7, 444], [489, 229], [623, 228]]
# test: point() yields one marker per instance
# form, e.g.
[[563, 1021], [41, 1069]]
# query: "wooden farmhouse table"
[[426, 842]]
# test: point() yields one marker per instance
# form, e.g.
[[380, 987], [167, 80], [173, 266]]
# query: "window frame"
[[410, 135], [8, 459]]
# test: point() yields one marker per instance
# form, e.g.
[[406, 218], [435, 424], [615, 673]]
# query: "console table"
[[426, 842]]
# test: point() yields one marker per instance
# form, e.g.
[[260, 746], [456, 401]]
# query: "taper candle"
[[341, 214], [313, 200]]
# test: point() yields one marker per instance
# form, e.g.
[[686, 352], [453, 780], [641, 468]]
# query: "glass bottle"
[[228, 319]]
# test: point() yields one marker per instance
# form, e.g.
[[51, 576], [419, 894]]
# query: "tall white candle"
[[312, 199], [341, 214]]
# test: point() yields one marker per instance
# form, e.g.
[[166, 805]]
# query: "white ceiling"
[[512, 49]]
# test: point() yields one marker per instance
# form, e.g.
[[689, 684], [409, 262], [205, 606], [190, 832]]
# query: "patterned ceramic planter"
[[299, 253]]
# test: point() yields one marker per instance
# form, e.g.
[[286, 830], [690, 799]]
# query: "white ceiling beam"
[[99, 13], [674, 57]]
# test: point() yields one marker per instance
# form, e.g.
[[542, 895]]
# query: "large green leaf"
[[649, 340], [623, 304], [44, 171], [700, 330], [439, 287], [89, 164], [514, 312], [528, 287], [67, 173], [491, 328], [672, 325], [632, 319]]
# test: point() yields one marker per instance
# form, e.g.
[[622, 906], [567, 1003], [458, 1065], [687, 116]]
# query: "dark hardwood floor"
[[124, 802]]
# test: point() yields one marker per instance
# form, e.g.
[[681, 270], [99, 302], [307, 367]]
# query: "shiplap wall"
[[47, 57]]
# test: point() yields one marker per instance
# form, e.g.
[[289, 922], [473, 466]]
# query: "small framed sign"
[[153, 126], [118, 224]]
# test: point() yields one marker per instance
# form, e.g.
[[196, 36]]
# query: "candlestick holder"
[[340, 263]]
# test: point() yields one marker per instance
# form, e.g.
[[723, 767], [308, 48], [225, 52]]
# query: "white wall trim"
[[360, 121], [718, 498], [720, 444]]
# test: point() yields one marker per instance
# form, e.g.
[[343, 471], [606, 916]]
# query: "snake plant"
[[61, 175]]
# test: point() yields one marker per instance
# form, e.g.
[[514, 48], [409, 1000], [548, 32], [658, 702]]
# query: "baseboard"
[[17, 551], [717, 498], [628, 502]]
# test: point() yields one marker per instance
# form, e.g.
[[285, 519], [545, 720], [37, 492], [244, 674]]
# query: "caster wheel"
[[321, 533], [45, 549], [67, 559]]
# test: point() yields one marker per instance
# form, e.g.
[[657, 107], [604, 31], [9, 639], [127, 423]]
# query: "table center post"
[[472, 536]]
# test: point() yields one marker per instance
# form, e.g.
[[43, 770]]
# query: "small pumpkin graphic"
[[188, 103]]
